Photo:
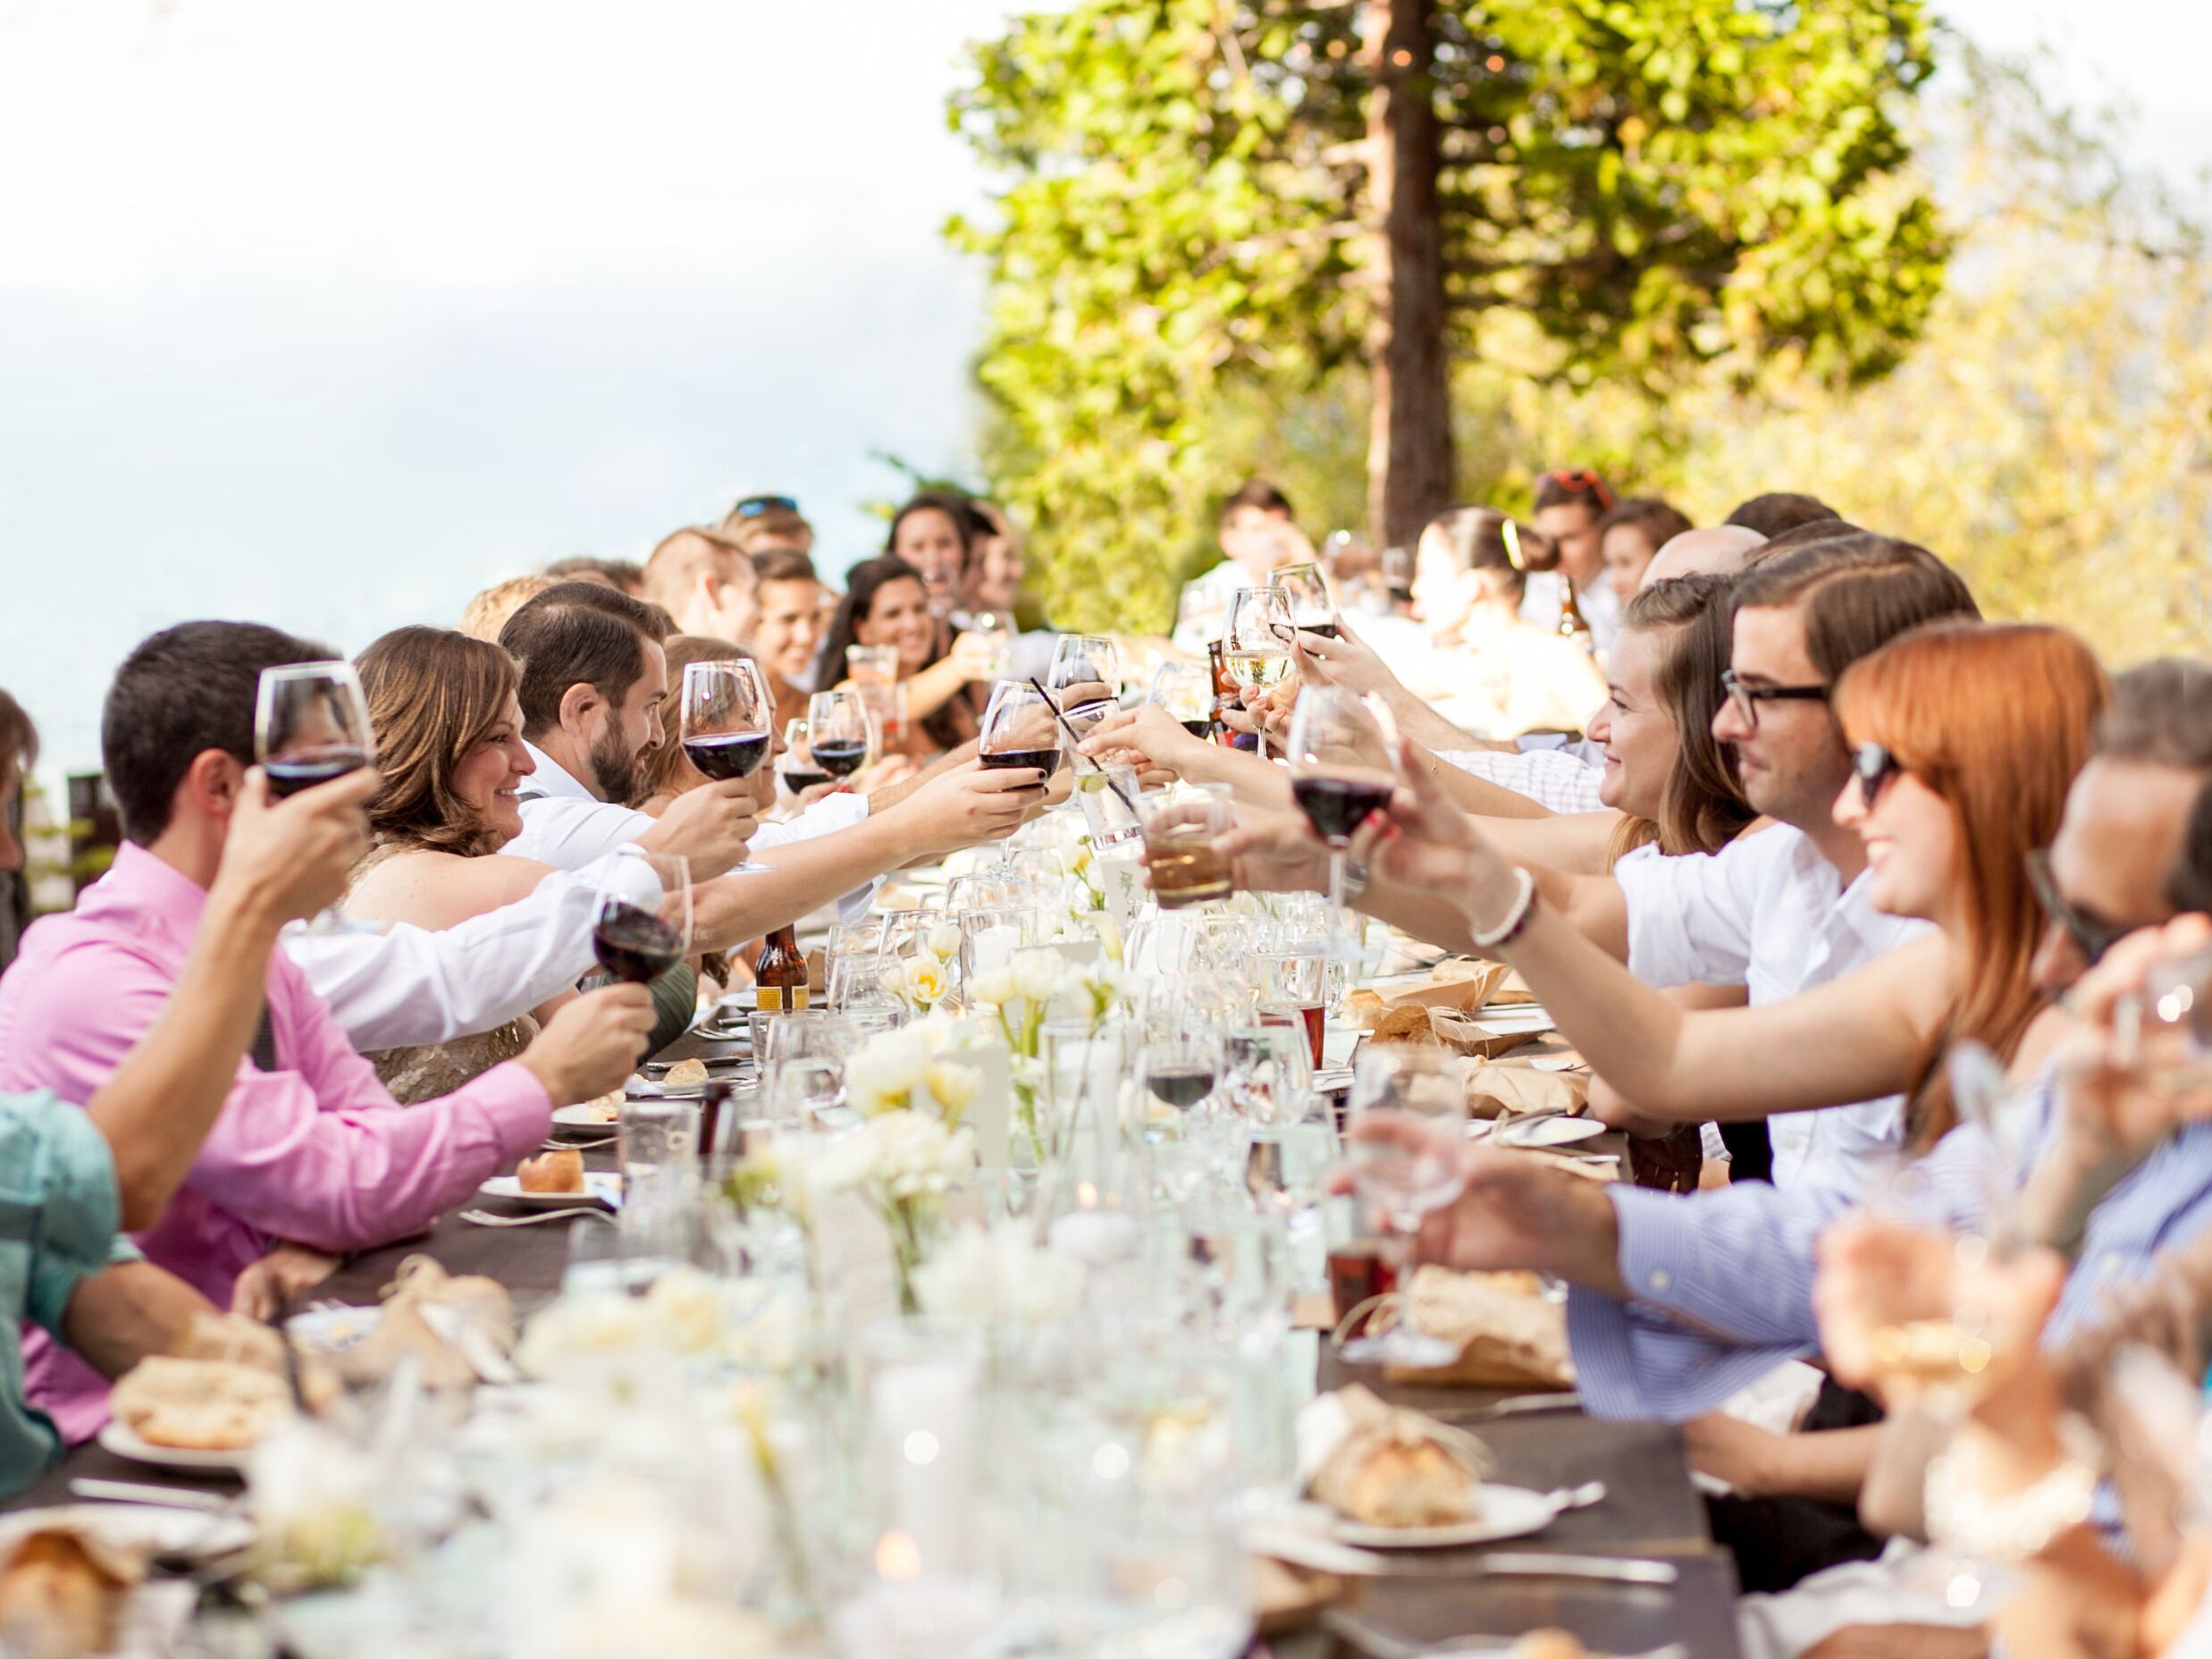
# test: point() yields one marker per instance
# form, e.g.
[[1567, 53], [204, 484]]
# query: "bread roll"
[[552, 1172]]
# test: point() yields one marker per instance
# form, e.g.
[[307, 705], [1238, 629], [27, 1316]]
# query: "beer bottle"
[[1571, 625], [779, 976], [1225, 696]]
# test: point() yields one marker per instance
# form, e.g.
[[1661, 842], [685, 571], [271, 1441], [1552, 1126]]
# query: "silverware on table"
[[485, 1218], [1516, 1405], [558, 1145], [1605, 1569], [162, 1498]]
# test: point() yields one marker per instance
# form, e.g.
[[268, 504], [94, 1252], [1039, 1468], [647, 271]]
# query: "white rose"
[[925, 980], [891, 980], [1036, 971], [945, 939], [993, 985], [954, 1085], [688, 1308], [899, 1058]]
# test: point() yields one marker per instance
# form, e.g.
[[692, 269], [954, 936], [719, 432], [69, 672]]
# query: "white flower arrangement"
[[902, 1163], [999, 1277], [923, 979], [681, 1314], [911, 1071]]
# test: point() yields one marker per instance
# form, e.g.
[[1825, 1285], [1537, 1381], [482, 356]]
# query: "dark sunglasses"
[[1874, 766], [754, 505], [2090, 937]]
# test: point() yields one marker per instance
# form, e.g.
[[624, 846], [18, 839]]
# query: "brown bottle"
[[780, 975], [1225, 696], [1571, 623]]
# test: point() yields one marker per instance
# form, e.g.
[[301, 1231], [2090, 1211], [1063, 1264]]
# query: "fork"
[[579, 1146], [485, 1218]]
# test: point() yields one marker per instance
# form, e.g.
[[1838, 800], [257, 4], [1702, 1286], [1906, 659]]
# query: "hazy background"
[[328, 313]]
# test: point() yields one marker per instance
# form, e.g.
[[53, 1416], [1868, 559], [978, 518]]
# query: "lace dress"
[[430, 1070]]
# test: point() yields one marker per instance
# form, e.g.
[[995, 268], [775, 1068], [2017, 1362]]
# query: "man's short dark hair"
[[1805, 536], [1856, 593], [783, 564], [1257, 493], [184, 691], [1781, 510], [618, 573], [2160, 714], [579, 634]]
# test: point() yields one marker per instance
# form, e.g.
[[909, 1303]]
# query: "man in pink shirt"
[[309, 1147]]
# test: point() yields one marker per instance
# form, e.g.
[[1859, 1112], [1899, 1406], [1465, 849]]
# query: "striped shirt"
[[1551, 778]]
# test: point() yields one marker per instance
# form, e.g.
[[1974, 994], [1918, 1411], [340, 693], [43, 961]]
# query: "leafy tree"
[[1218, 203]]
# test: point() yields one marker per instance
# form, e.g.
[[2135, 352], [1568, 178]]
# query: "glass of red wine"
[[839, 732], [641, 919], [797, 766], [1186, 691], [1339, 772], [1418, 1099], [1182, 1055], [1312, 609], [728, 724], [311, 724], [1018, 729]]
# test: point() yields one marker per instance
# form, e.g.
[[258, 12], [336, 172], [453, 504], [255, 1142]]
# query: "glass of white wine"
[[1255, 646]]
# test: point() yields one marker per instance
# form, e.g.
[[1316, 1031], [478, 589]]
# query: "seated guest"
[[1723, 550], [767, 524], [1630, 535], [993, 583], [309, 1146], [620, 573], [887, 603], [1568, 507], [663, 771], [1780, 511], [939, 534], [488, 611], [1491, 671], [788, 634], [706, 584], [1258, 537]]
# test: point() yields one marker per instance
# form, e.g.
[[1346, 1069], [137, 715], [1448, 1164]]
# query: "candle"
[[922, 1415], [1094, 1237]]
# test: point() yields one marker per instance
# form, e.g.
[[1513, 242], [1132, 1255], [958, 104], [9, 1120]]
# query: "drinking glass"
[[1307, 591], [1110, 807], [640, 918], [839, 732], [1339, 774], [803, 1034], [1256, 645], [996, 634], [1182, 1054], [1396, 568], [728, 725], [802, 1093], [1076, 724], [1186, 691], [1085, 660], [1181, 823], [1019, 730], [872, 665], [797, 769], [1268, 1079], [1294, 984], [1420, 1097], [311, 724]]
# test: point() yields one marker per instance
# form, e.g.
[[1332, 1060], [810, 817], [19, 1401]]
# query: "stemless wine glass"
[[1019, 730], [728, 725], [1312, 608], [641, 919], [1256, 645], [1186, 691], [1339, 772], [1085, 660], [311, 724], [837, 732], [1417, 1098]]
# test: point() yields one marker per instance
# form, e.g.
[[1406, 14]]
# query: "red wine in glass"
[[1337, 806], [303, 769], [839, 757], [1181, 1087], [725, 755], [1359, 1270], [1310, 1017], [799, 780], [1045, 760], [635, 945], [1202, 729]]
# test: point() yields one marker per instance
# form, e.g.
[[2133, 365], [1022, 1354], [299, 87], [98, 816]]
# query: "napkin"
[[1508, 1089], [1464, 986], [1509, 1335]]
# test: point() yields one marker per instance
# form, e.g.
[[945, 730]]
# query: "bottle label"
[[768, 998], [798, 996]]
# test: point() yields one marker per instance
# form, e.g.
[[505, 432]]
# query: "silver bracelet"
[[1515, 919], [1963, 1516]]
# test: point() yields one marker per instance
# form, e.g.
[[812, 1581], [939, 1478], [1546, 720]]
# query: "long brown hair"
[[433, 695], [1704, 808], [1996, 718]]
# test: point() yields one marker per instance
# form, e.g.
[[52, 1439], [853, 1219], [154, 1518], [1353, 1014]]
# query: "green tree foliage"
[[1634, 192]]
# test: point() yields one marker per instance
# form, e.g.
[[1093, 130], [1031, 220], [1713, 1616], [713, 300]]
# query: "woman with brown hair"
[[887, 603]]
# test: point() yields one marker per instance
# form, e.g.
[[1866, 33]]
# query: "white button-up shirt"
[[410, 985], [565, 825], [1770, 913], [1551, 778]]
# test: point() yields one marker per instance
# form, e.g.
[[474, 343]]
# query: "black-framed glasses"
[[1745, 699], [2090, 937], [754, 505], [1874, 767]]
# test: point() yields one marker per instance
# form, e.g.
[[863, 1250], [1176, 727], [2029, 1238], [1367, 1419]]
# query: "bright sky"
[[328, 313]]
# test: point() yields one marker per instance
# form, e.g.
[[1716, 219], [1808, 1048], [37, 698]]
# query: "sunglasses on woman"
[[1874, 766], [2090, 937]]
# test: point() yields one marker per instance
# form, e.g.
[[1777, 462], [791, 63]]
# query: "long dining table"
[[1650, 1513]]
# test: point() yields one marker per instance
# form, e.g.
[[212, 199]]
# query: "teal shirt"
[[58, 1217]]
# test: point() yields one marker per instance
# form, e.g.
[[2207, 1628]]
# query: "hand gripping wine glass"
[[839, 734], [1408, 1116], [1085, 660], [728, 725], [1312, 609], [1186, 691], [1256, 645], [311, 724], [1339, 772], [1019, 730], [641, 920]]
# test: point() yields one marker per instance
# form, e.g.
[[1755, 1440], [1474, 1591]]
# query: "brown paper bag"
[[1462, 986], [1467, 1034], [1512, 991], [1509, 1089], [1508, 1336]]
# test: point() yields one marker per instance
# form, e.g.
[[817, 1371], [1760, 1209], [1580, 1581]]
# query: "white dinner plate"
[[1507, 1512], [1542, 1131], [183, 1534], [124, 1442], [601, 1186], [581, 1116], [330, 1330]]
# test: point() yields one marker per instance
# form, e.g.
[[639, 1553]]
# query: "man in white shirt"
[[593, 684]]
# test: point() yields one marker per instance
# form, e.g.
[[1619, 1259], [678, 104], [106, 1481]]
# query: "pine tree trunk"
[[1409, 455]]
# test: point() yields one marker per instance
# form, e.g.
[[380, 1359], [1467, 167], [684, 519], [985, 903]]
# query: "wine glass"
[[1339, 774], [1182, 1055], [311, 724], [641, 914], [1186, 691], [797, 767], [1085, 660], [997, 635], [728, 725], [1307, 590], [1019, 730], [837, 732], [1255, 646], [1419, 1097]]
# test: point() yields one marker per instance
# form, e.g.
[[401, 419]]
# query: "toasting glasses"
[[728, 725], [311, 724], [1339, 774]]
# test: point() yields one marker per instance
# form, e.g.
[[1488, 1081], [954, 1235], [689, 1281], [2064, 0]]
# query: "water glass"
[[1412, 1105], [807, 1093], [989, 936], [1108, 796], [802, 1033], [872, 665]]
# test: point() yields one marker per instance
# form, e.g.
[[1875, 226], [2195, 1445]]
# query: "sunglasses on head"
[[1578, 481], [2090, 937], [1874, 766], [754, 505]]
